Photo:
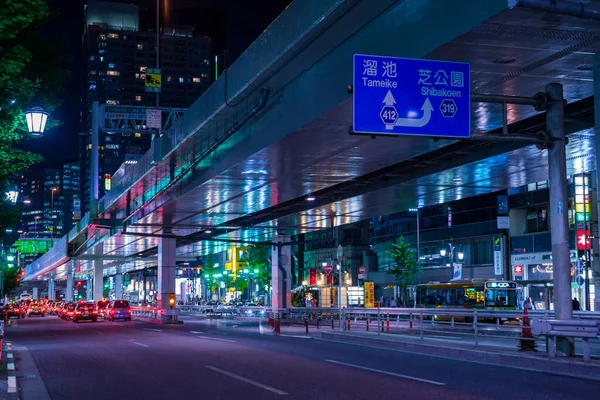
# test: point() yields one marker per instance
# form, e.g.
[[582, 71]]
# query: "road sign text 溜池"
[[404, 96]]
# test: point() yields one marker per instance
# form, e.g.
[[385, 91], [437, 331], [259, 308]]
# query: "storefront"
[[535, 272]]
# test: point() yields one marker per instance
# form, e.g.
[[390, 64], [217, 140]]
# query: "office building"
[[117, 56]]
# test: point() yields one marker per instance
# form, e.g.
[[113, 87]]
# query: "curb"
[[571, 367], [12, 387]]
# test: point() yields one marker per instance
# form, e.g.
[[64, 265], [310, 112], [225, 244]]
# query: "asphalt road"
[[227, 360]]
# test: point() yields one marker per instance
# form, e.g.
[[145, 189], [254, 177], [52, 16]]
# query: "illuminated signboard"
[[33, 246], [501, 285]]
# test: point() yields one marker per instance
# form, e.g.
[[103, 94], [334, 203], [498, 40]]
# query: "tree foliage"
[[30, 75], [406, 267]]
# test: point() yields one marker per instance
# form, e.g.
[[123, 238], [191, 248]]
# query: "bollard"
[[332, 323], [348, 323], [278, 326], [367, 324], [410, 319], [291, 320], [318, 320], [306, 325], [387, 322]]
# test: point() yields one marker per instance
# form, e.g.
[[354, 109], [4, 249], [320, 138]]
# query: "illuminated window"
[[93, 72], [92, 58], [111, 65], [181, 80], [138, 98], [143, 76], [138, 135], [196, 80], [204, 75], [169, 79], [140, 46], [111, 146], [113, 35], [137, 75], [101, 58], [112, 102], [112, 72], [89, 146], [142, 69], [102, 36]]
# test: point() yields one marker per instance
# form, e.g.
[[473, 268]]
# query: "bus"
[[492, 295]]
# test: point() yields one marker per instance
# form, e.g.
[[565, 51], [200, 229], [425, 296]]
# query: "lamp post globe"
[[36, 121]]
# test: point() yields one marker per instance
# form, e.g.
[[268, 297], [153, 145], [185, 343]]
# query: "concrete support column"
[[596, 264], [166, 271], [51, 290], [89, 292], [98, 279], [69, 289], [118, 284], [36, 293], [281, 272], [559, 223]]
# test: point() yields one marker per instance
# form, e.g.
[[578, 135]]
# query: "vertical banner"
[[369, 295], [457, 271], [313, 277], [498, 256]]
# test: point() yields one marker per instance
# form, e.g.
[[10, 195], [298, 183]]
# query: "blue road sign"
[[405, 96]]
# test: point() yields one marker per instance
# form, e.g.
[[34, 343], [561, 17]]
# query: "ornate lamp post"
[[36, 121]]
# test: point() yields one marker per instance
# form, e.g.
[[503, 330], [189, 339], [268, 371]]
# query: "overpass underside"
[[276, 128]]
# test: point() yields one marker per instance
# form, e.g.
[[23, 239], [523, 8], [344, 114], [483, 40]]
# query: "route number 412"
[[389, 115]]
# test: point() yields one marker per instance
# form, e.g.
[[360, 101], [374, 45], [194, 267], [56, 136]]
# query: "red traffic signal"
[[172, 300], [22, 272]]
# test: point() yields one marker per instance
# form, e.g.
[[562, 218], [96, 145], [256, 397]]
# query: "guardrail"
[[583, 329]]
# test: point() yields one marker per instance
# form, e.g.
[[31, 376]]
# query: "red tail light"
[[129, 310]]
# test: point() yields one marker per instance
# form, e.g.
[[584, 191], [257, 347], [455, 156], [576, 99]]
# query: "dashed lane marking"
[[246, 380], [140, 344], [379, 371]]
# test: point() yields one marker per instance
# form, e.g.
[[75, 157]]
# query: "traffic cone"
[[526, 343]]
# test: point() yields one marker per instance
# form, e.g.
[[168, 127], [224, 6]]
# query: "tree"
[[258, 260], [29, 70], [406, 268]]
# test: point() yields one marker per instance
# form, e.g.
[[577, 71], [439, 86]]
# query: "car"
[[67, 311], [118, 309], [102, 307], [85, 311], [13, 310], [36, 309]]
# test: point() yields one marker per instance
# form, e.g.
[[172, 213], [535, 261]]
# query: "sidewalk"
[[538, 361]]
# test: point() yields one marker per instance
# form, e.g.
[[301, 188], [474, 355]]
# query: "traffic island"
[[539, 362]]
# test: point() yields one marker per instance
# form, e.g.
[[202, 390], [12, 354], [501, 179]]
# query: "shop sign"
[[583, 239], [369, 294], [582, 217], [518, 270], [313, 277]]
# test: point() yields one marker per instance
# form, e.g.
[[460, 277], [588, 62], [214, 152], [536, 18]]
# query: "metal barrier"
[[583, 329], [145, 312]]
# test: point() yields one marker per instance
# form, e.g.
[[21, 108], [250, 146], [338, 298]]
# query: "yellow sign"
[[153, 80], [369, 295], [579, 208]]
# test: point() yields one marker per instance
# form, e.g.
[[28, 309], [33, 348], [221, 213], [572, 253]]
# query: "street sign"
[[340, 253], [405, 96], [153, 118], [153, 80], [328, 269], [362, 273]]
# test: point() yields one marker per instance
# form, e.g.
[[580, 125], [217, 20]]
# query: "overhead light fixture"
[[443, 252], [208, 231], [413, 209], [311, 198], [36, 121], [461, 255]]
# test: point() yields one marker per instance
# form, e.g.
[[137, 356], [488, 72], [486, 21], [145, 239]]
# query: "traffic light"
[[171, 300], [22, 272]]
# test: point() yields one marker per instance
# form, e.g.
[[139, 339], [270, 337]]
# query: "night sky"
[[232, 24]]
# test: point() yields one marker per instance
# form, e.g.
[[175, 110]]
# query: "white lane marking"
[[197, 333], [10, 366], [12, 384], [214, 338], [153, 330], [9, 355], [414, 378], [140, 344], [249, 381]]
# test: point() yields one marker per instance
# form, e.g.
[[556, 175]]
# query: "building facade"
[[118, 55]]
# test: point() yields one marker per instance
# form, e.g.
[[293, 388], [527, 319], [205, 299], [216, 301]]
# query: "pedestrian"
[[393, 303], [529, 304], [576, 305]]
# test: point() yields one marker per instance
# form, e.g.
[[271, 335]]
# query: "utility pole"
[[559, 224]]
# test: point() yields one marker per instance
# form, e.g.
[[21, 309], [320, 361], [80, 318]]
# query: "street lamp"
[[36, 121], [459, 254]]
